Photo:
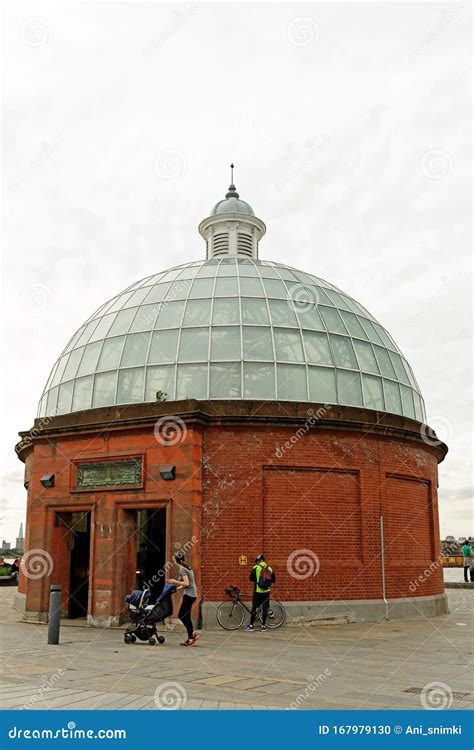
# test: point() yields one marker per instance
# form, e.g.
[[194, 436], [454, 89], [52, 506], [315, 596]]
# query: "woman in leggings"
[[186, 581]]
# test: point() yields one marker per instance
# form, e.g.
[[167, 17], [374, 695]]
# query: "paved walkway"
[[382, 665]]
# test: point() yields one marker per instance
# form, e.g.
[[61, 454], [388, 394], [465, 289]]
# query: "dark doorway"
[[79, 564], [151, 550]]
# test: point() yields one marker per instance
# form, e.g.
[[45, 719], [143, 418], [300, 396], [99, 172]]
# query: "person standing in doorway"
[[262, 576], [186, 581], [467, 561]]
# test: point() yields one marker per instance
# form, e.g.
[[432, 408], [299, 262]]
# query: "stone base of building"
[[362, 610]]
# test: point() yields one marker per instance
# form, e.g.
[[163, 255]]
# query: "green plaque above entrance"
[[123, 473]]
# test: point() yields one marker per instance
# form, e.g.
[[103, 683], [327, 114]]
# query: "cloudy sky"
[[349, 127]]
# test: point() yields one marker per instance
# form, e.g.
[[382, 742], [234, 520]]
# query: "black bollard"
[[54, 613]]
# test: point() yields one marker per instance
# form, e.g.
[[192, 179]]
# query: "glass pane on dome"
[[353, 325], [322, 385], [82, 393], [73, 363], [385, 363], [267, 271], [90, 358], [52, 402], [194, 345], [136, 349], [192, 381], [407, 401], [171, 274], [332, 319], [170, 315], [197, 312], [86, 333], [122, 322], [65, 398], [119, 302], [201, 288], [308, 316], [246, 268], [156, 294], [254, 310], [130, 385], [288, 345], [291, 383], [208, 270], [286, 274], [343, 351], [323, 299], [349, 390], [392, 397], [225, 343], [370, 330], [418, 406], [227, 267], [409, 372], [163, 346], [337, 300], [251, 287], [386, 340], [188, 273], [399, 369], [373, 392], [59, 371], [259, 381], [178, 290], [226, 311], [257, 342], [302, 276], [103, 327], [366, 356], [282, 313], [137, 297], [72, 342], [111, 353], [105, 385], [226, 286], [42, 407], [145, 318], [275, 288], [317, 348], [225, 380], [160, 379]]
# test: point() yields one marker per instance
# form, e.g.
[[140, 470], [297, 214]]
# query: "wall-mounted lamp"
[[47, 480], [168, 472]]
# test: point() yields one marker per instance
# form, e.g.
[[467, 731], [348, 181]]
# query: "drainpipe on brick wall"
[[382, 561]]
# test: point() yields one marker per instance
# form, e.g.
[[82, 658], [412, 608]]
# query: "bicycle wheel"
[[230, 615], [276, 614]]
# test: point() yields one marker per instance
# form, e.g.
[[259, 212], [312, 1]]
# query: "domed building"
[[227, 407]]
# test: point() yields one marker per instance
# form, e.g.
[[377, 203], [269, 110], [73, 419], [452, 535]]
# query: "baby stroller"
[[144, 617]]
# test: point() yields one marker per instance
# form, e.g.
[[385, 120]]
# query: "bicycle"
[[231, 613]]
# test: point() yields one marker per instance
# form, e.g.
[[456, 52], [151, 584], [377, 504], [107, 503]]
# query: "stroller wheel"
[[152, 642], [132, 638], [127, 638], [161, 639]]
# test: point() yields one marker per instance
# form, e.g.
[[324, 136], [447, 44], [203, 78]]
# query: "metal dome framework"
[[232, 328]]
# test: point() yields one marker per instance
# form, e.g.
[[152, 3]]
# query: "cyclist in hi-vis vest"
[[262, 576]]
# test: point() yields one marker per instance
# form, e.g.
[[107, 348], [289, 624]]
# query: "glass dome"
[[232, 328]]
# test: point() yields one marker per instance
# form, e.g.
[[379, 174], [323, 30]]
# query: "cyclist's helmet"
[[260, 558]]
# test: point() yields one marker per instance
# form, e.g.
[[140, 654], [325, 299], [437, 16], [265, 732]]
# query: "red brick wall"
[[325, 493]]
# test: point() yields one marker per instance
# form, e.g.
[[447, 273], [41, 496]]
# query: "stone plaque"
[[109, 474]]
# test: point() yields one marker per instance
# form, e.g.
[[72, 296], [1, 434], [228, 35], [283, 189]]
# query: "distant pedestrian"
[[466, 551], [262, 577], [187, 582]]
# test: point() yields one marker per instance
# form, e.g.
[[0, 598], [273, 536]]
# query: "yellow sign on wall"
[[243, 560]]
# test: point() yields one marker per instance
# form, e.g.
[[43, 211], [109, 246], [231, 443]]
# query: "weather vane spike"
[[231, 174]]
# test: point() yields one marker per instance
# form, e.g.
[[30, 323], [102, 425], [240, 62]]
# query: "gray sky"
[[349, 127]]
